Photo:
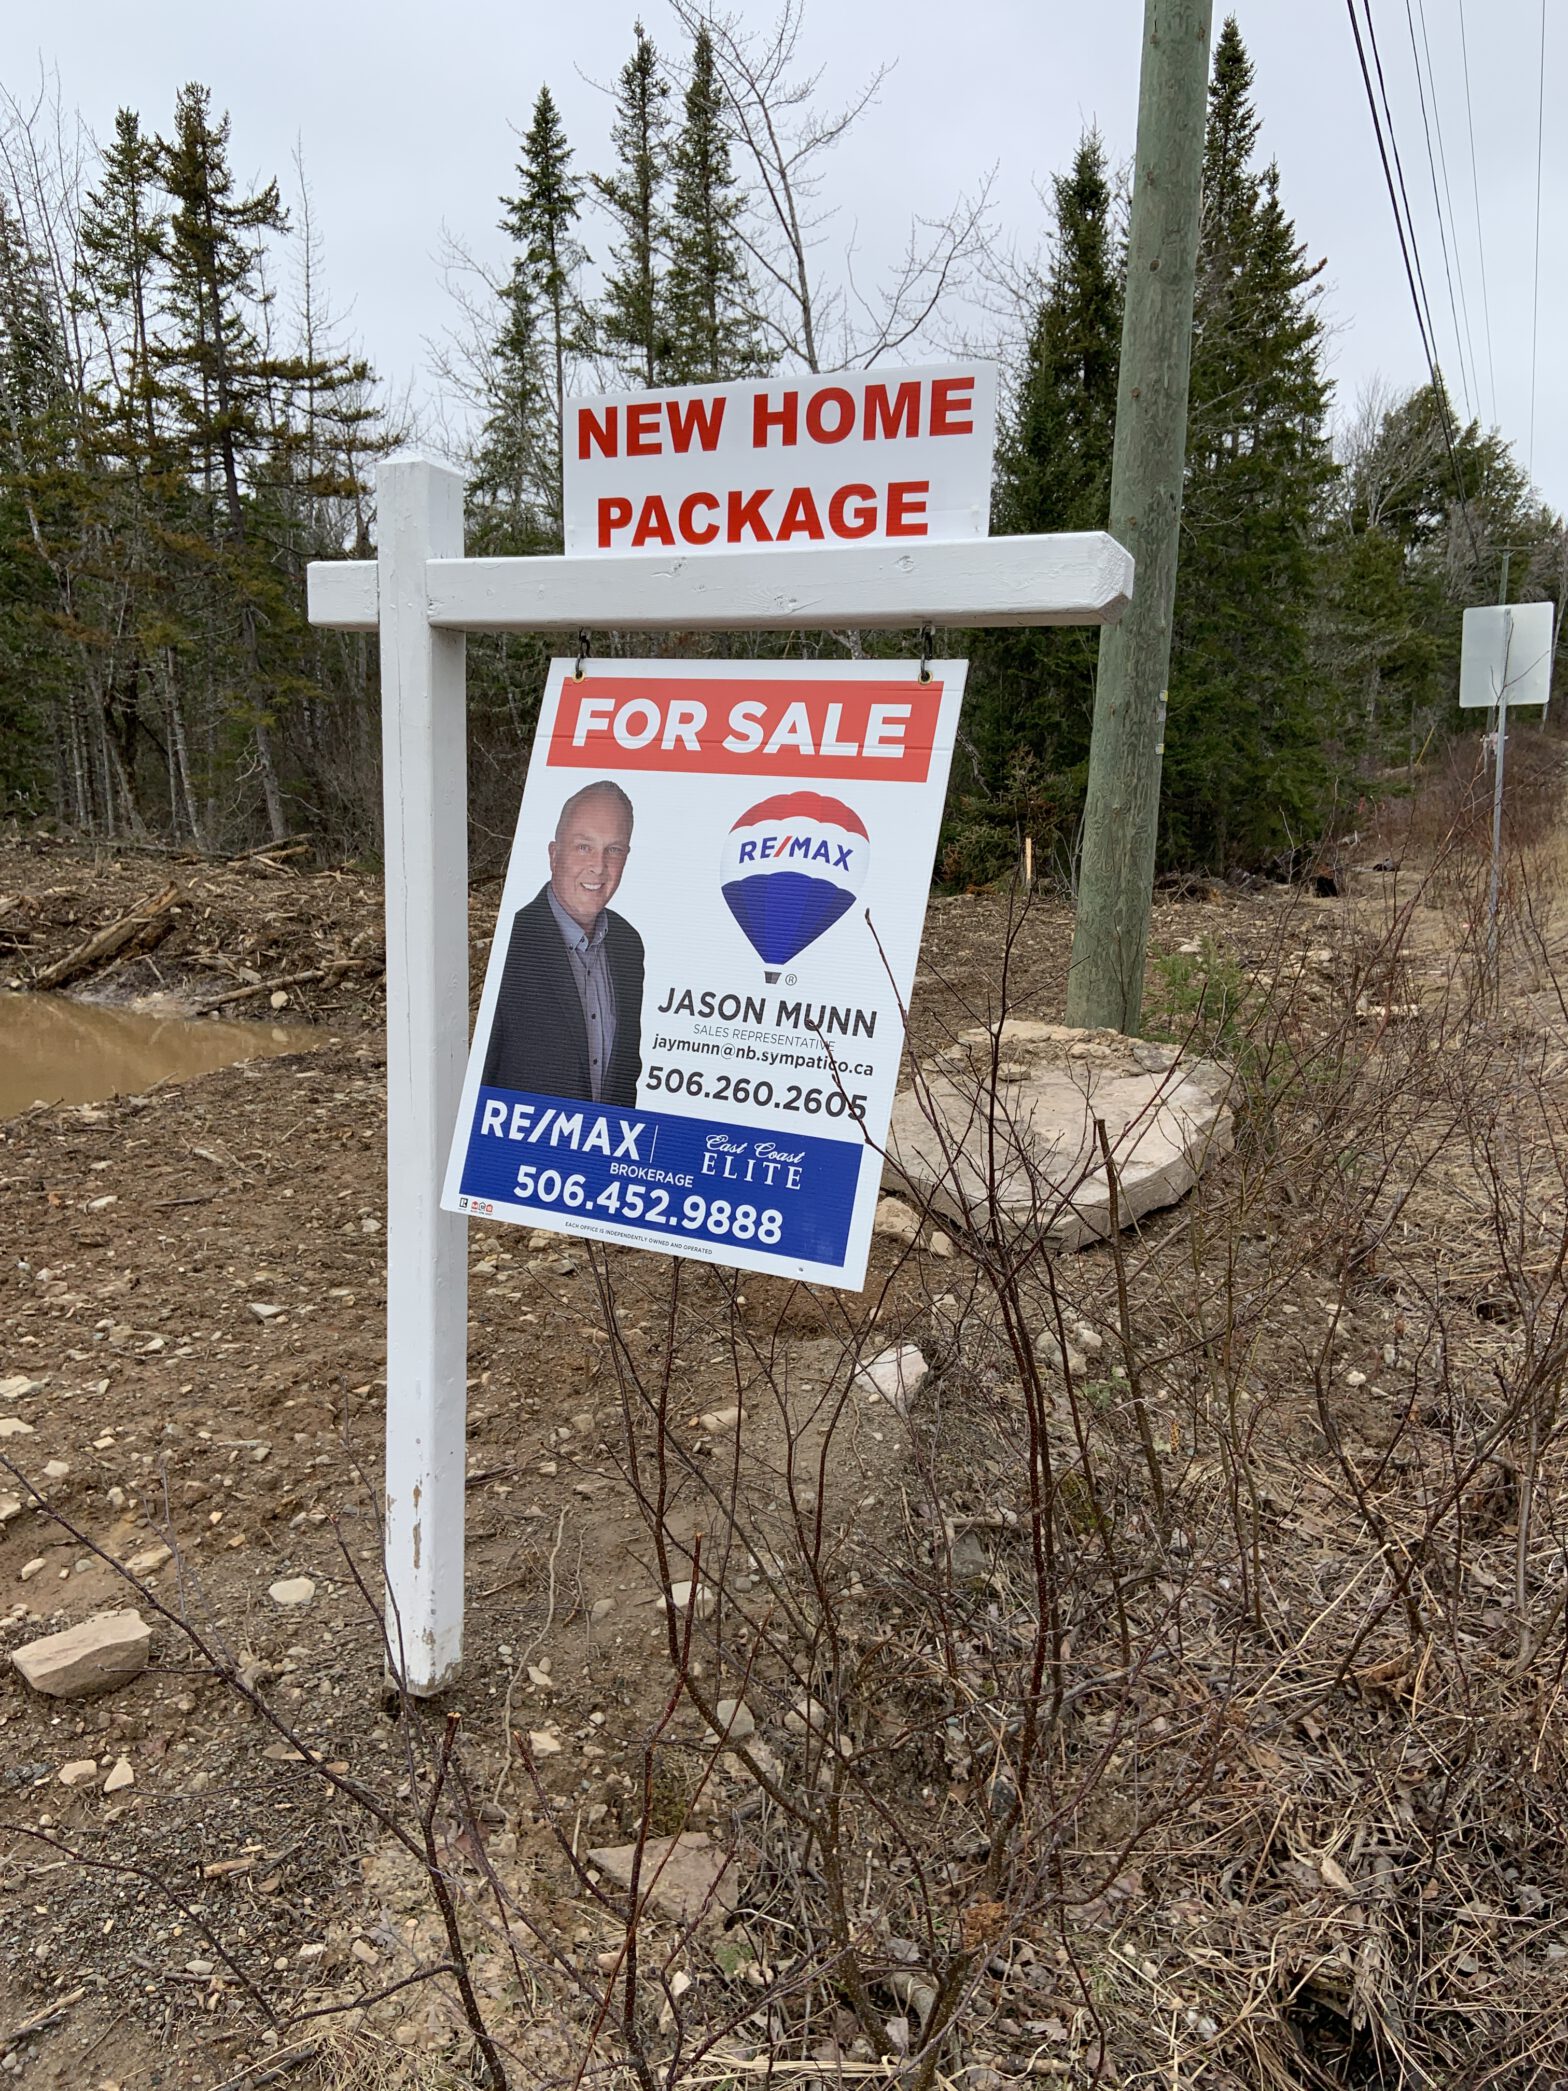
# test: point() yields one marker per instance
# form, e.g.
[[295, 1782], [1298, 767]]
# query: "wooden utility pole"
[[1121, 814]]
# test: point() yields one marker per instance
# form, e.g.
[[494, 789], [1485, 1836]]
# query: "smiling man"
[[568, 1017]]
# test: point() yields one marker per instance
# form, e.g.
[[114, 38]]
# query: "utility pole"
[[1121, 814]]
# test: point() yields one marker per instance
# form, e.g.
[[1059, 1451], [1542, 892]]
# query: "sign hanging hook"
[[927, 641], [584, 648]]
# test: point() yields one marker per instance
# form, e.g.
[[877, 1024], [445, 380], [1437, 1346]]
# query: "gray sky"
[[408, 116]]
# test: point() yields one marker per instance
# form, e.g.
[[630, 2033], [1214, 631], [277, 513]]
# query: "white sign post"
[[1505, 659], [421, 594]]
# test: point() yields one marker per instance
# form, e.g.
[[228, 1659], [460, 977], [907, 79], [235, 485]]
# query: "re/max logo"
[[836, 855]]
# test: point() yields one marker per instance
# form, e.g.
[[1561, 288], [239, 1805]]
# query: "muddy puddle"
[[57, 1051]]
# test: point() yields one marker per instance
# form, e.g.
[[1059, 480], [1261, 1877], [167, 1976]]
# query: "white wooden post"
[[425, 797]]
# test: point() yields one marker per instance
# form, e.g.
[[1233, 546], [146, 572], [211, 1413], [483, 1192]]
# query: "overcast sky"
[[408, 117]]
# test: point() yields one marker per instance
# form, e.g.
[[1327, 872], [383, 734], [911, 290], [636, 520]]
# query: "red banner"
[[719, 727]]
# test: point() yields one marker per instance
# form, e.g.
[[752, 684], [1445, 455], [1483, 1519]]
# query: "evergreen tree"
[[1032, 694], [1251, 758], [1054, 453], [35, 469], [512, 487], [713, 332], [634, 323], [124, 232], [219, 372], [542, 218]]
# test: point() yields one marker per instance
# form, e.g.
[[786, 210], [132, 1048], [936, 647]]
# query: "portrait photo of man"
[[568, 1015]]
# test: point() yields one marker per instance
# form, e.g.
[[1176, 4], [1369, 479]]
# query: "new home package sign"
[[851, 458], [691, 1025]]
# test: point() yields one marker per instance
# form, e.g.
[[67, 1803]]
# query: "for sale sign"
[[846, 459], [692, 1018]]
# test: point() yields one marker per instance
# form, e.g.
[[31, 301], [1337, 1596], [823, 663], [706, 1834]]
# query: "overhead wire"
[[1409, 253], [1399, 170], [1451, 267], [1475, 190]]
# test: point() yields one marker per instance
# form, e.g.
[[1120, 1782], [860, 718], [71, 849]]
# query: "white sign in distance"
[[692, 1021], [853, 458], [1506, 657]]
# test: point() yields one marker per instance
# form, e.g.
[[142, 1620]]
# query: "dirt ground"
[[192, 1301]]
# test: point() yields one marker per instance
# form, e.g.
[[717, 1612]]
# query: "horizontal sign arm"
[[1083, 577]]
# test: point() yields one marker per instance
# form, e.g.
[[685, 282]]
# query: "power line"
[[1410, 216], [1450, 270], [1535, 310], [1475, 189], [1406, 248]]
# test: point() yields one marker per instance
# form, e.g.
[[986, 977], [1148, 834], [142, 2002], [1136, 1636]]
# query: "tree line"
[[183, 427]]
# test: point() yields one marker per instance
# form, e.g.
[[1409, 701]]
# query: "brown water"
[[58, 1051]]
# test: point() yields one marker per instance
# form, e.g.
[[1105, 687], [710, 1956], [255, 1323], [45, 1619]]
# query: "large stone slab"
[[1167, 1115], [686, 1877], [101, 1654]]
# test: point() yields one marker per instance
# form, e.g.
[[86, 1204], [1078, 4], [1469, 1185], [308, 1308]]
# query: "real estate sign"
[[692, 1019], [845, 459]]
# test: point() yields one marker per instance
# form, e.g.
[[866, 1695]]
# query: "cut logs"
[[145, 925]]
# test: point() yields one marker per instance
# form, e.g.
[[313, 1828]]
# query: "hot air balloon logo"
[[793, 865]]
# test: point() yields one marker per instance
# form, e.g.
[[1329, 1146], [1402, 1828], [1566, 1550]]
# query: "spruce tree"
[[1032, 698], [124, 233], [712, 328], [633, 322], [513, 491], [542, 218], [1251, 757]]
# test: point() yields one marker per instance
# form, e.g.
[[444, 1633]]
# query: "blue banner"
[[655, 1179]]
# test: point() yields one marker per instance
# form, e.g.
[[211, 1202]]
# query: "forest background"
[[184, 425]]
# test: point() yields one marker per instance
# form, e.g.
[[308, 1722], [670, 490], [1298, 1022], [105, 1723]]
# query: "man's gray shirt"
[[595, 989]]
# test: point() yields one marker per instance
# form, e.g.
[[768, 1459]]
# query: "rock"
[[278, 999], [148, 1559], [736, 1719], [717, 1420], [10, 1507], [32, 1568], [683, 1877], [14, 1427], [102, 1204], [601, 1608], [264, 1310], [16, 1384], [120, 1777], [77, 1770], [1167, 1117], [807, 1716], [894, 1219], [1048, 1350], [680, 1599], [102, 1653], [543, 1743], [897, 1375], [942, 1244], [57, 1469], [293, 1590]]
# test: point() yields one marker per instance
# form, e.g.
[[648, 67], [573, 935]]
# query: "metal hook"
[[927, 641], [584, 648]]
